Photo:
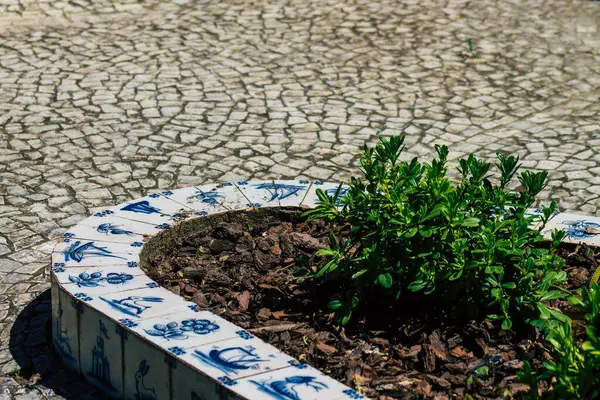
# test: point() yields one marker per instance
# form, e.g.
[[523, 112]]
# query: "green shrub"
[[469, 244], [574, 371]]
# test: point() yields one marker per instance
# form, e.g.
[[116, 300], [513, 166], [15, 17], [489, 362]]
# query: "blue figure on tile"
[[111, 229], [62, 343], [231, 360], [168, 331], [131, 305], [115, 278], [353, 394], [340, 196], [95, 279], [285, 389], [199, 326], [581, 229], [208, 197], [142, 207], [280, 190], [128, 323], [143, 392], [100, 364], [85, 279], [78, 251]]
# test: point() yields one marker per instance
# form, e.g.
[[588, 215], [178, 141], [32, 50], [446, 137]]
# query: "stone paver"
[[101, 101]]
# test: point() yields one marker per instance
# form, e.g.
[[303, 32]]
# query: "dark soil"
[[240, 266]]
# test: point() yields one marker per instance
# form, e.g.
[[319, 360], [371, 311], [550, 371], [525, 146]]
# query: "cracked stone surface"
[[102, 101]]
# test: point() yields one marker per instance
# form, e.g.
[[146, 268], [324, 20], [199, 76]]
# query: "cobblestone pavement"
[[101, 101]]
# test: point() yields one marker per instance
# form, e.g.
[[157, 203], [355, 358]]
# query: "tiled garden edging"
[[136, 340]]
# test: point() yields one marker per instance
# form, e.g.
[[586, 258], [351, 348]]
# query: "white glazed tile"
[[291, 193], [79, 248], [104, 232], [190, 384], [274, 193], [113, 226], [578, 228], [311, 199], [227, 194], [153, 209], [65, 333], [185, 329], [256, 194], [146, 372], [92, 276], [298, 383], [203, 199], [130, 306], [90, 258], [236, 358], [101, 352], [117, 282]]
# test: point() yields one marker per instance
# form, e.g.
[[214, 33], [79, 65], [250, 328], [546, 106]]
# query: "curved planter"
[[136, 340]]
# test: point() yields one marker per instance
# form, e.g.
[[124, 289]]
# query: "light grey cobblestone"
[[101, 101]]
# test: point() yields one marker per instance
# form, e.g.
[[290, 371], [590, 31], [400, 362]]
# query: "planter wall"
[[135, 340]]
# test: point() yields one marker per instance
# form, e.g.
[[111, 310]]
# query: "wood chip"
[[274, 328]]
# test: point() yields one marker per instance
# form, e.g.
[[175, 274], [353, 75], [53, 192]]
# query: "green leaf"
[[471, 222], [417, 285], [385, 280], [552, 295], [360, 273], [506, 324], [410, 232], [335, 305]]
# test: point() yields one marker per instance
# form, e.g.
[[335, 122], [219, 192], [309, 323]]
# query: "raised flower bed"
[[133, 338], [241, 251]]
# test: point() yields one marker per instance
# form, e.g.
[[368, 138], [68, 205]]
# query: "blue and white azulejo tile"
[[297, 381], [577, 228], [274, 193], [203, 200], [131, 306], [311, 199], [82, 255], [185, 328], [236, 358]]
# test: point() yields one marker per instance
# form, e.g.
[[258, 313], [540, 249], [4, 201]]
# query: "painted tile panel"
[[90, 257], [65, 334], [236, 358], [131, 306], [146, 372], [91, 286], [78, 248], [94, 276], [101, 352], [274, 193], [153, 209], [185, 329], [226, 194], [205, 199], [117, 227], [296, 382], [104, 232], [189, 384], [578, 228], [311, 199]]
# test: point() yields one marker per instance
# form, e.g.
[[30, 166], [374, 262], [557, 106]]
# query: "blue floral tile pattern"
[[581, 229]]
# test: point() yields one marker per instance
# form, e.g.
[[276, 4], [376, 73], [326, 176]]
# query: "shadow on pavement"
[[31, 346]]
